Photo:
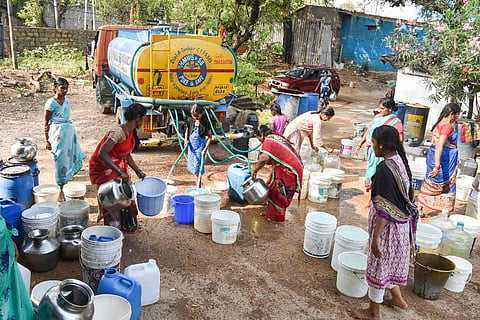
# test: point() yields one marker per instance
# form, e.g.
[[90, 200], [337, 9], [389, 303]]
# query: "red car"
[[304, 78]]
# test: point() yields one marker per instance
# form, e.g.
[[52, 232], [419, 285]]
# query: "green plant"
[[32, 13], [277, 48]]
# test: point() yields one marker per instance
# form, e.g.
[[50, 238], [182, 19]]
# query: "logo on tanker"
[[190, 77]]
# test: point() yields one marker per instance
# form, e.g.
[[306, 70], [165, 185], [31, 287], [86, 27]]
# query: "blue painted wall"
[[364, 43]]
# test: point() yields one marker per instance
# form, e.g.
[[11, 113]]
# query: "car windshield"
[[297, 72]]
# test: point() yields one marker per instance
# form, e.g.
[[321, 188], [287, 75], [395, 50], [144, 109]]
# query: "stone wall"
[[31, 38]]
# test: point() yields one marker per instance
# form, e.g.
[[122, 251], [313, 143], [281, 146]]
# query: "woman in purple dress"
[[392, 224]]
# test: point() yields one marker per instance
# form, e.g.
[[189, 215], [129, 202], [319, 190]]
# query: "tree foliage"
[[449, 49], [32, 13]]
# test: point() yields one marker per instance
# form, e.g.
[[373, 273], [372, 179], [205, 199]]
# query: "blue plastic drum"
[[33, 168], [12, 213], [16, 183]]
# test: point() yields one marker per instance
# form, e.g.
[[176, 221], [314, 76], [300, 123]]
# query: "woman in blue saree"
[[60, 134], [439, 186]]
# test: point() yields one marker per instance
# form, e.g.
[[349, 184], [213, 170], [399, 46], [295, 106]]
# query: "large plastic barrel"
[[415, 123], [16, 183], [200, 67], [289, 103], [304, 104]]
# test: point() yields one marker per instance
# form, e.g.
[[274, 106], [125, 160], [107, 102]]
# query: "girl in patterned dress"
[[198, 136], [392, 224]]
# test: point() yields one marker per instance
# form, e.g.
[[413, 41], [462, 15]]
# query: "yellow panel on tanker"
[[199, 69]]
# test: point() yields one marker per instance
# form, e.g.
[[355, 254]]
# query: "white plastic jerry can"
[[148, 276], [26, 276]]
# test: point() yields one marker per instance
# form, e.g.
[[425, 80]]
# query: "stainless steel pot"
[[24, 149], [70, 300], [255, 190], [116, 192], [70, 241], [41, 252]]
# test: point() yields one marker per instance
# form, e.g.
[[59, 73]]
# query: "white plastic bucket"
[[205, 205], [73, 212], [318, 187], [351, 276], [460, 276], [110, 306], [348, 239], [225, 226], [428, 238], [40, 218], [346, 147], [96, 256], [319, 229], [26, 276], [74, 190], [473, 206], [220, 188], [46, 192], [305, 185], [338, 176], [167, 200], [464, 188]]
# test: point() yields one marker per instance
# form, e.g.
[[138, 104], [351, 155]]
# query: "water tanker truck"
[[165, 71]]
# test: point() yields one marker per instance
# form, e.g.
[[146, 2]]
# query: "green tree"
[[32, 13], [449, 50]]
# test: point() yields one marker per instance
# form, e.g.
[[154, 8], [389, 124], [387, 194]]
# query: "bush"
[[248, 77], [53, 52]]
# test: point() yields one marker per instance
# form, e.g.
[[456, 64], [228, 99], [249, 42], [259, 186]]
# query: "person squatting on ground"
[[111, 160], [198, 136], [392, 224], [60, 135], [309, 125]]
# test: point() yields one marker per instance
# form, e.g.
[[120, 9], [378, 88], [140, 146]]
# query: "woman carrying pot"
[[111, 160], [308, 125], [60, 134], [286, 176]]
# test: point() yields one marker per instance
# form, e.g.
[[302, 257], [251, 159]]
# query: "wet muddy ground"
[[265, 274]]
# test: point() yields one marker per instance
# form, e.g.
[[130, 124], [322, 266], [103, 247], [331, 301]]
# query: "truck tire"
[[104, 95]]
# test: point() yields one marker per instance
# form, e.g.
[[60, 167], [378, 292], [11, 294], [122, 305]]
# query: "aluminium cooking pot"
[[255, 190]]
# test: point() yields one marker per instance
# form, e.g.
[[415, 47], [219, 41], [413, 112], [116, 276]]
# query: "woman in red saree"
[[111, 160], [286, 176]]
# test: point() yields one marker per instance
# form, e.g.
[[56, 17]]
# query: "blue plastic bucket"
[[12, 213], [150, 195], [312, 102], [184, 208], [16, 183]]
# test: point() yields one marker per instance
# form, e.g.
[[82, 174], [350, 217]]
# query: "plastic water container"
[[346, 148], [26, 276], [205, 205], [305, 185], [348, 239], [319, 186], [473, 205], [12, 213], [168, 199], [49, 204], [254, 143], [220, 188], [16, 183], [331, 161], [40, 218], [428, 238], [46, 192], [226, 226], [110, 306], [148, 276], [461, 276], [96, 256], [237, 174], [351, 276], [150, 195], [113, 282], [362, 153], [471, 226], [442, 222], [464, 187], [183, 208], [319, 229], [73, 212], [338, 176], [457, 242], [74, 191]]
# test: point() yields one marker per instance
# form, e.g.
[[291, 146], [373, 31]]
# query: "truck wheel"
[[104, 95]]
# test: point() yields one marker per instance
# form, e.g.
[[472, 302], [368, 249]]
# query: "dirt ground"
[[265, 274]]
